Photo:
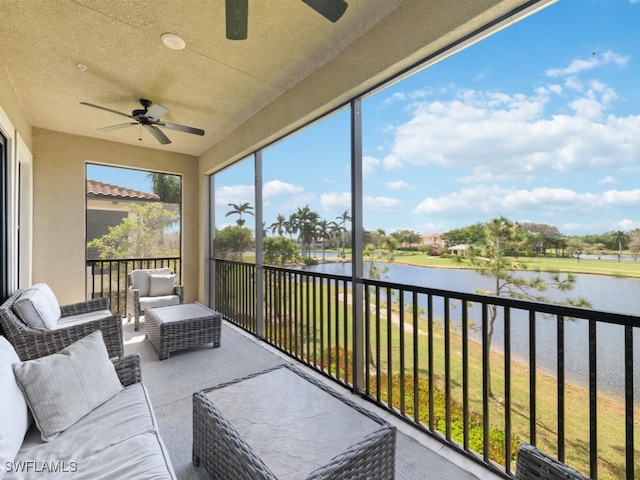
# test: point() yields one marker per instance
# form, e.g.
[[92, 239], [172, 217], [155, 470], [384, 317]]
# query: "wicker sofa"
[[75, 321], [117, 438], [533, 464]]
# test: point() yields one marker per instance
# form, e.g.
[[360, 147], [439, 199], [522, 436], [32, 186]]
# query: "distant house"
[[107, 206], [432, 239], [460, 250]]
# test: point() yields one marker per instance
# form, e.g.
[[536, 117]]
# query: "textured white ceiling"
[[214, 83]]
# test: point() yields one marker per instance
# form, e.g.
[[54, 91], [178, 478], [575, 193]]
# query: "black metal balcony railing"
[[108, 277], [426, 356]]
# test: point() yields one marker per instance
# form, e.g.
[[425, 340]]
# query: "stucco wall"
[[59, 206], [13, 109]]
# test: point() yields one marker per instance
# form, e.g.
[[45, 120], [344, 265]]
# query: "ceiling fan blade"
[[156, 111], [116, 127], [181, 128], [106, 109], [329, 9], [237, 14], [156, 132]]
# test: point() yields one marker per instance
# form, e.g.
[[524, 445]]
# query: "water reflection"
[[606, 293]]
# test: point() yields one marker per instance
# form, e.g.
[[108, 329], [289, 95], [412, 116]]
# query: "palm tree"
[[239, 210], [305, 221], [342, 222], [620, 238], [280, 225], [323, 230], [292, 225], [167, 187]]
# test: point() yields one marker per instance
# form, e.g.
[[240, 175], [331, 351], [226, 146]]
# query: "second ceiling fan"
[[237, 14]]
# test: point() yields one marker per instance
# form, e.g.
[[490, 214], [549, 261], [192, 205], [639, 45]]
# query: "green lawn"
[[626, 268], [326, 341]]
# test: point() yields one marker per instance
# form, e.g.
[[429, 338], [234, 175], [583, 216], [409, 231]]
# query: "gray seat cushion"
[[166, 301], [81, 318], [119, 439]]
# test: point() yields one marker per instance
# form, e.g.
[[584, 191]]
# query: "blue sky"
[[123, 177], [539, 122]]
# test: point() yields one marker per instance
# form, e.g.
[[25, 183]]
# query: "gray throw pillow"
[[162, 285], [38, 307], [62, 388]]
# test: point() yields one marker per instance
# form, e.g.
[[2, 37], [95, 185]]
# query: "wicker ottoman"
[[283, 424], [181, 326]]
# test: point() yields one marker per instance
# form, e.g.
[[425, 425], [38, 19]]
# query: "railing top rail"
[[528, 305], [140, 259], [542, 307]]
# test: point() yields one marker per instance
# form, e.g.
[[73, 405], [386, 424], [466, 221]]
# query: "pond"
[[606, 293]]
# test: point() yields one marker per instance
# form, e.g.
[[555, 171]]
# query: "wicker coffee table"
[[283, 424], [181, 326]]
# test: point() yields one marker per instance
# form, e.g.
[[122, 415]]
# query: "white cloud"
[[290, 204], [336, 201], [399, 185], [625, 225], [369, 166], [629, 198], [495, 200], [608, 178], [392, 162], [237, 194], [509, 135], [582, 65], [381, 205], [431, 227], [396, 97], [277, 188]]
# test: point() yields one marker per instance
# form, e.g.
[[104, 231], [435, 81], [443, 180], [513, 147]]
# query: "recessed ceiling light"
[[173, 41], [82, 67]]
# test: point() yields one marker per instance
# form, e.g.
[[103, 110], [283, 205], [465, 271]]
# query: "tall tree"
[[167, 187], [279, 226], [575, 247], [342, 219], [231, 242], [324, 232], [541, 235], [490, 258], [144, 234], [471, 234], [621, 238], [305, 221], [406, 238], [634, 244], [239, 210]]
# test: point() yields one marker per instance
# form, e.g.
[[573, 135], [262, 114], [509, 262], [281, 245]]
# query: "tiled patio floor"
[[172, 382]]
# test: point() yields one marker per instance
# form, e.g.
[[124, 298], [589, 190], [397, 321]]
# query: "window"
[[132, 214]]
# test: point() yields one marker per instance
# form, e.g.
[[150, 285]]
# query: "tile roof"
[[101, 189]]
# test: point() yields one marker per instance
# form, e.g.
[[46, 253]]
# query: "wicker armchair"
[[31, 343], [532, 464], [153, 287]]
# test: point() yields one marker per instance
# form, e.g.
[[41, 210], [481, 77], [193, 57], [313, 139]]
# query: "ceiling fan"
[[149, 118], [237, 13]]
